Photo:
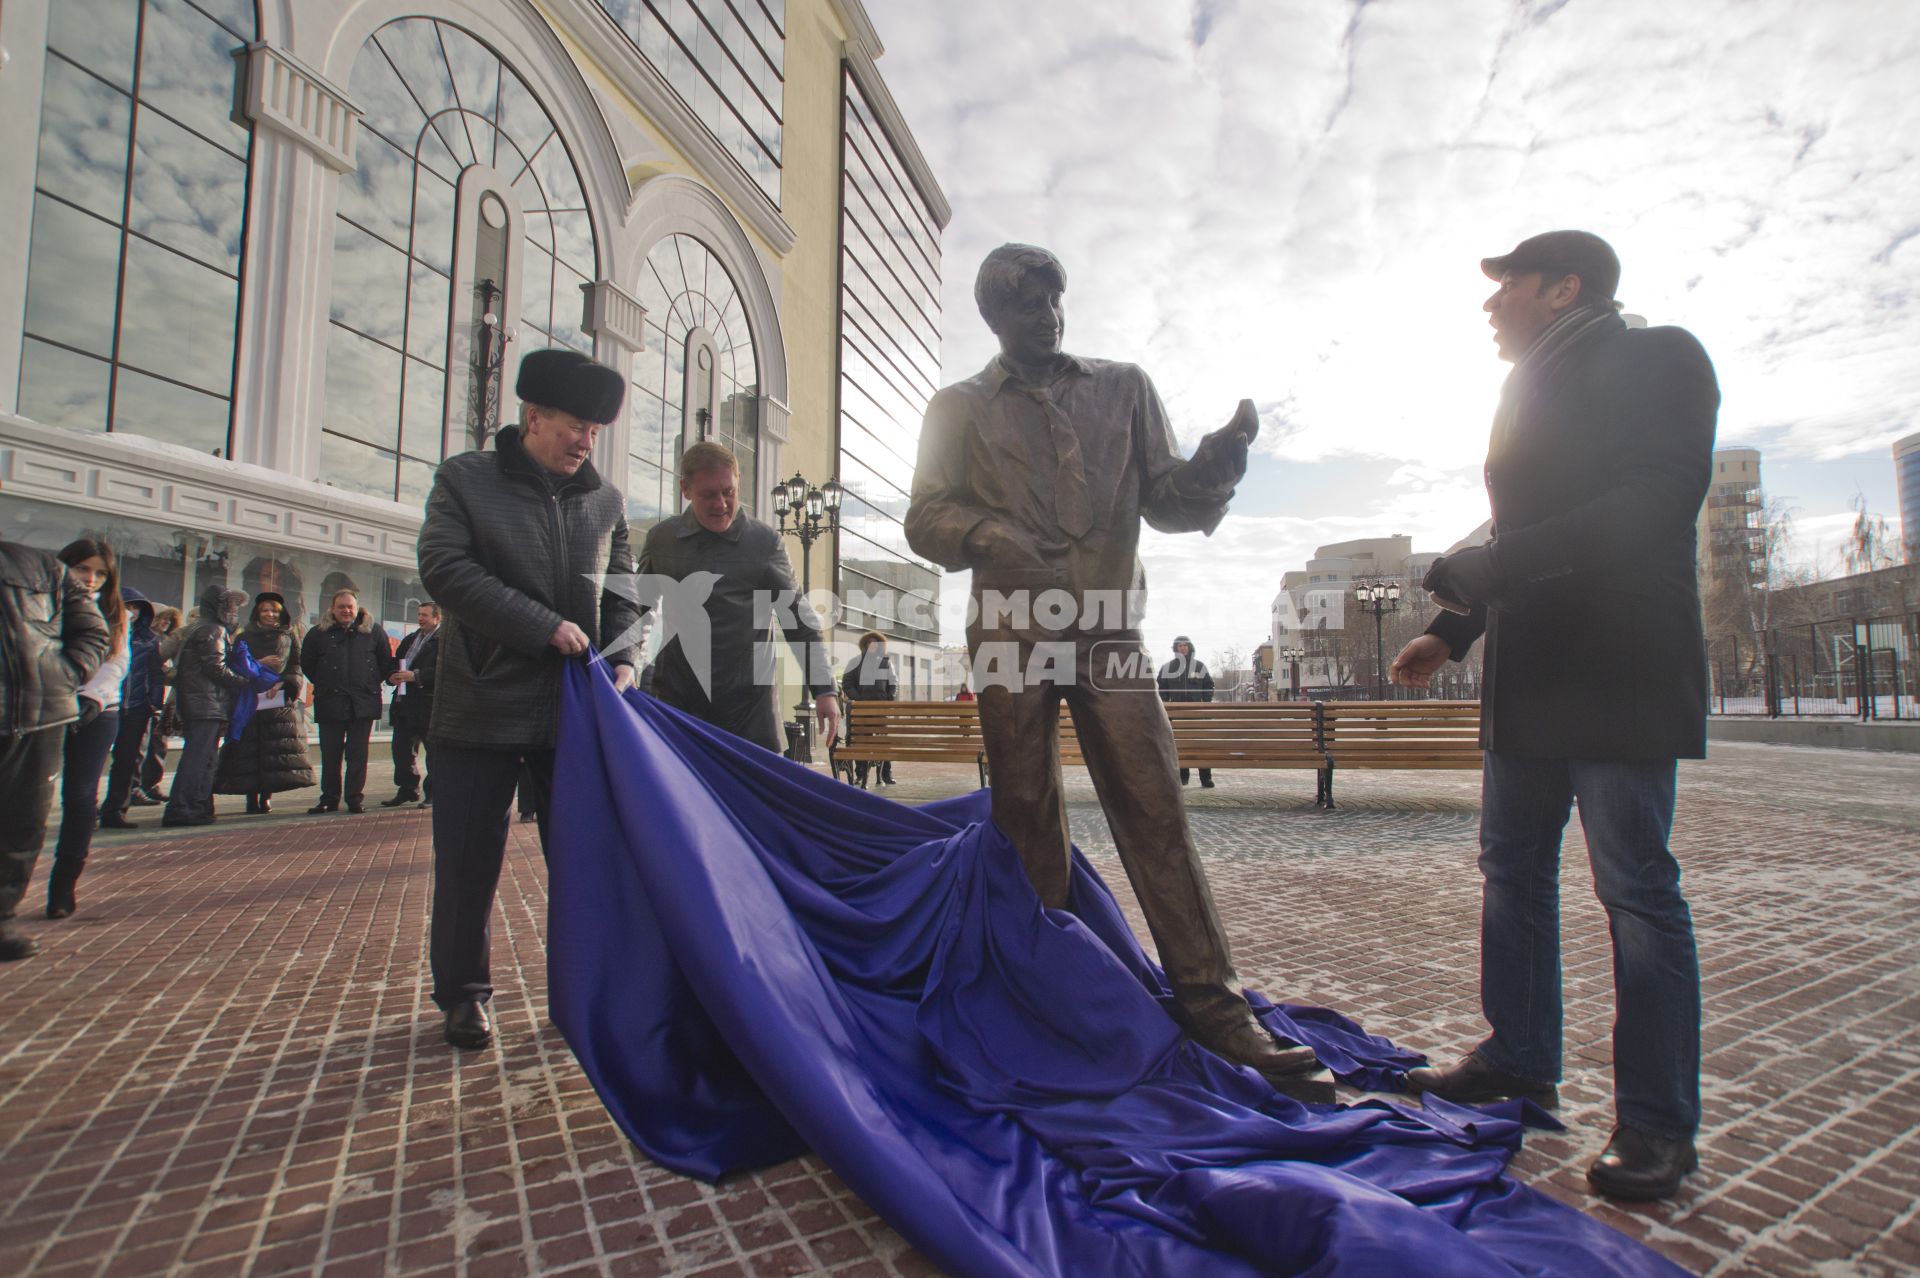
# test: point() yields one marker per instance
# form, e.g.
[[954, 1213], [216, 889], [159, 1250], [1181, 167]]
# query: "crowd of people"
[[105, 681]]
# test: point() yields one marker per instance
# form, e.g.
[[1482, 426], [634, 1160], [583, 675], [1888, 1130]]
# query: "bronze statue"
[[1035, 473]]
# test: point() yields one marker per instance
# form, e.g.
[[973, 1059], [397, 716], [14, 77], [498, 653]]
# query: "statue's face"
[[1032, 323]]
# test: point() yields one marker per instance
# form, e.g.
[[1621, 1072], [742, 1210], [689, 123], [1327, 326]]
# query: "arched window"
[[462, 241], [697, 378], [140, 196]]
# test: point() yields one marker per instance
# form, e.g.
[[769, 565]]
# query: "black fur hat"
[[572, 383]]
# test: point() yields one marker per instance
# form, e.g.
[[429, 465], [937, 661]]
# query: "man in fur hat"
[[515, 545]]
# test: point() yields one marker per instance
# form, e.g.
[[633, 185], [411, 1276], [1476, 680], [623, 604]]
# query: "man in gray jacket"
[[516, 544], [53, 639]]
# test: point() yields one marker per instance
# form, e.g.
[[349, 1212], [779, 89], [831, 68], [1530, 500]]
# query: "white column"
[[23, 37], [616, 321], [302, 141]]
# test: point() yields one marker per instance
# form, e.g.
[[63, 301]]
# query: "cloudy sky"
[[1287, 200]]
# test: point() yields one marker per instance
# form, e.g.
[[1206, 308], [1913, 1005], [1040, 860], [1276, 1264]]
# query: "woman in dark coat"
[[271, 755]]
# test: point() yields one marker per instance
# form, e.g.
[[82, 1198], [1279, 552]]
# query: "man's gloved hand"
[[1221, 459], [1466, 577], [89, 711]]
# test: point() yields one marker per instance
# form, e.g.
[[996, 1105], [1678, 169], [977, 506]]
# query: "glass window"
[[63, 388], [356, 467], [159, 77], [724, 58], [438, 100]]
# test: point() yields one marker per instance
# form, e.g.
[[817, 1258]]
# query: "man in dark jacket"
[[516, 546], [141, 697], [346, 658], [869, 677], [203, 692], [415, 662], [720, 665], [1184, 679], [52, 639], [1595, 685]]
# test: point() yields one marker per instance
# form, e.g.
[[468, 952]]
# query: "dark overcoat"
[[271, 755], [509, 552], [348, 666], [1594, 645], [753, 596], [1185, 679]]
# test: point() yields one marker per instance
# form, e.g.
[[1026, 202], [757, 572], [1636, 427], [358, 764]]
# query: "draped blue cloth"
[[241, 661], [752, 960]]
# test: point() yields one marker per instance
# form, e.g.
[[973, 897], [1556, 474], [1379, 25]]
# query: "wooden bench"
[[1321, 736], [1398, 734], [910, 732]]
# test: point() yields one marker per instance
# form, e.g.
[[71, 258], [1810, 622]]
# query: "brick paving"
[[226, 1063]]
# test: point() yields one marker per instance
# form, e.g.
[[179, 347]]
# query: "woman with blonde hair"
[[92, 563]]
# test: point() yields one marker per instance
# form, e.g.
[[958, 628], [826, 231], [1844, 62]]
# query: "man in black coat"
[[346, 658], [53, 638], [516, 547], [416, 661], [869, 677], [1186, 679], [1595, 686], [719, 665]]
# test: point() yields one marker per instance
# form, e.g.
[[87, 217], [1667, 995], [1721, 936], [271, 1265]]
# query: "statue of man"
[[1035, 474]]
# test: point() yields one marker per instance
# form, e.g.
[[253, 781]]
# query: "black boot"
[[60, 902], [253, 804], [400, 799]]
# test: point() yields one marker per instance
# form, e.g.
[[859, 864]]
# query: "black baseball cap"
[[1560, 253]]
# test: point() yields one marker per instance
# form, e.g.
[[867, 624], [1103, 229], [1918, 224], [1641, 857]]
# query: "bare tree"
[[1870, 547]]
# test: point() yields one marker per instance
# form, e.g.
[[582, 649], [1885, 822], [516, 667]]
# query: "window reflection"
[[91, 285], [62, 387], [436, 101], [356, 467]]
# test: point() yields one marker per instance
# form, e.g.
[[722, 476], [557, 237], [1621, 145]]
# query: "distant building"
[[1314, 610], [1732, 527], [1906, 475]]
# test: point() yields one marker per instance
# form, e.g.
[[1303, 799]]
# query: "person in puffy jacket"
[[52, 640], [93, 565], [203, 691], [141, 697], [1184, 679], [271, 755], [348, 658]]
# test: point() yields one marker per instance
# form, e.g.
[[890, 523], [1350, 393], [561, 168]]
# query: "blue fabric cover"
[[751, 960], [241, 661]]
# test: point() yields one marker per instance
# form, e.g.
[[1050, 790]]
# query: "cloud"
[[1289, 202]]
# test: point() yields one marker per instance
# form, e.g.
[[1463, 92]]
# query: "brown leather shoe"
[[1640, 1166], [1475, 1081]]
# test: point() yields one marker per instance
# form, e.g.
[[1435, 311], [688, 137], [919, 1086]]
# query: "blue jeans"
[[1626, 810]]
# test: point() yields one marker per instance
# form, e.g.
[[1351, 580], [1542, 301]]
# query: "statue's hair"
[[1007, 268]]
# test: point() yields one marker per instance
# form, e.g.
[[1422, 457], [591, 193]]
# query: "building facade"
[[1315, 614], [1906, 476], [271, 264], [1732, 524]]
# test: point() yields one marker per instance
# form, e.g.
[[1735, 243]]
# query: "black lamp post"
[[1294, 656], [816, 514], [1378, 598]]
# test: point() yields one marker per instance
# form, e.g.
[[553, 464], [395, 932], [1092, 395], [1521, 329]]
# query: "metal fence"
[[1853, 667]]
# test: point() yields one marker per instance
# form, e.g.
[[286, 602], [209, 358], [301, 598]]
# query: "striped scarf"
[[1545, 357]]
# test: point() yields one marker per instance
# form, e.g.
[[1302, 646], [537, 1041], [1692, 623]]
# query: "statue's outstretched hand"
[[1221, 459]]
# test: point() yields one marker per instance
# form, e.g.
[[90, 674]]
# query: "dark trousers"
[[129, 751], [1129, 750], [85, 758], [472, 810], [1206, 776], [153, 768], [344, 742], [27, 765], [190, 799], [407, 742]]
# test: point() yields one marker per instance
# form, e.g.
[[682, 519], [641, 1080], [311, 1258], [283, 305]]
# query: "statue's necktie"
[[1071, 506]]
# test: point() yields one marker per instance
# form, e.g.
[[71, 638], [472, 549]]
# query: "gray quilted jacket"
[[508, 554]]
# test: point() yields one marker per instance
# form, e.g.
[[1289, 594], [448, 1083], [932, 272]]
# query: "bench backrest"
[[1403, 733], [908, 730], [1223, 734]]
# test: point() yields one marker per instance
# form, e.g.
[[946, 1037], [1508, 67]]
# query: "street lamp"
[[816, 514], [1293, 657], [1378, 598]]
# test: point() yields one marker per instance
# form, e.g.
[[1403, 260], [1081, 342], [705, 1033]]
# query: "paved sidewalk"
[[226, 1062]]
